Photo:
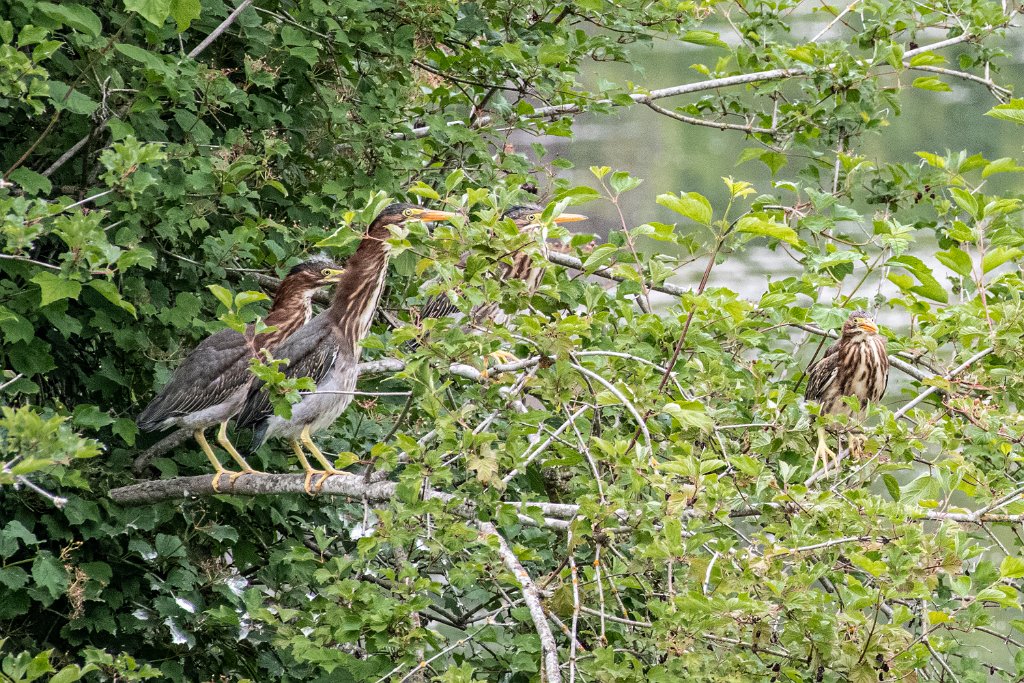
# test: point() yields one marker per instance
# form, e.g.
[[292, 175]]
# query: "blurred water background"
[[671, 156]]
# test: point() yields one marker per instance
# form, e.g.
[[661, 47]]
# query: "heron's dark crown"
[[313, 266]]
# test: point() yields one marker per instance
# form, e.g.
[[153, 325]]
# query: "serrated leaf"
[[955, 259], [1003, 165], [153, 11], [703, 38], [1011, 567], [759, 225], [1012, 111], [692, 205], [110, 292], [33, 183], [184, 13], [998, 256], [80, 18], [931, 83], [53, 287], [223, 295], [689, 414], [892, 486]]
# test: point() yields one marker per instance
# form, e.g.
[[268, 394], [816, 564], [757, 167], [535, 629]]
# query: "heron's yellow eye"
[[325, 272], [534, 217], [409, 213]]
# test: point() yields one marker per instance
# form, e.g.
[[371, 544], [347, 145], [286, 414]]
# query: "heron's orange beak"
[[867, 325], [332, 275], [569, 218], [430, 215]]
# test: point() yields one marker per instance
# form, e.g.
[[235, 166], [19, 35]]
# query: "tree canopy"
[[629, 500]]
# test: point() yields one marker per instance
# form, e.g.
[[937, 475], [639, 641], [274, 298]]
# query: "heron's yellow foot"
[[236, 475], [503, 358], [857, 442], [823, 454], [307, 483]]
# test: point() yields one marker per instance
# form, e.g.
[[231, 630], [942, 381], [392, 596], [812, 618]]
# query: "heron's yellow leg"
[[503, 358], [823, 453], [329, 468], [201, 440], [222, 439], [297, 447]]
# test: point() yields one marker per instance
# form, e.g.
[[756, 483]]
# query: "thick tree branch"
[[551, 670], [350, 486]]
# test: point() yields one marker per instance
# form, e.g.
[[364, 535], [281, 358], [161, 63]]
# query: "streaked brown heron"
[[520, 265], [211, 384], [328, 348], [856, 365]]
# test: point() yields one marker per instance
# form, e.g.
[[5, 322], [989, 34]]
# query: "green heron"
[[856, 365], [528, 219], [212, 382], [328, 348]]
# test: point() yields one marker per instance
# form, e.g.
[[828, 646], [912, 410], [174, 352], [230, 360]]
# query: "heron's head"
[[314, 273], [859, 325], [398, 214], [529, 215]]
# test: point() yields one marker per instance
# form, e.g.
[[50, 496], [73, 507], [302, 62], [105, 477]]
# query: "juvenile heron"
[[328, 348], [856, 365], [520, 266], [212, 382]]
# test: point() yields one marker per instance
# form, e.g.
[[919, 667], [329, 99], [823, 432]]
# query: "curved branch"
[[551, 669]]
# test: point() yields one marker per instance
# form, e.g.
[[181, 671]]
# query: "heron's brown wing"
[[209, 375], [439, 306], [822, 373], [311, 352]]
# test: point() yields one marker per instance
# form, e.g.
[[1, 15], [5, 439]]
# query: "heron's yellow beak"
[[569, 218], [867, 325], [429, 215], [331, 275]]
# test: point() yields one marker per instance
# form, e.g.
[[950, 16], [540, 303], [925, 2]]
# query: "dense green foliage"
[[143, 165]]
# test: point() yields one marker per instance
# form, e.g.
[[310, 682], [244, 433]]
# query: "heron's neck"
[[356, 296], [292, 308]]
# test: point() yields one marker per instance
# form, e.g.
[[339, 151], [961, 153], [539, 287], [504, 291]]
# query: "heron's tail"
[[152, 416]]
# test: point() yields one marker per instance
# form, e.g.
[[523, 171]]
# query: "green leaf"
[[927, 59], [80, 18], [703, 38], [223, 295], [689, 414], [63, 97], [109, 292], [892, 486], [33, 183], [153, 11], [759, 225], [53, 287], [88, 416], [931, 83], [692, 205], [1011, 567], [185, 12], [49, 574], [955, 259], [998, 256], [1012, 111], [1003, 165], [623, 182]]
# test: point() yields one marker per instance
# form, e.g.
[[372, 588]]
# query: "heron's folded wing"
[[307, 356], [208, 376]]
